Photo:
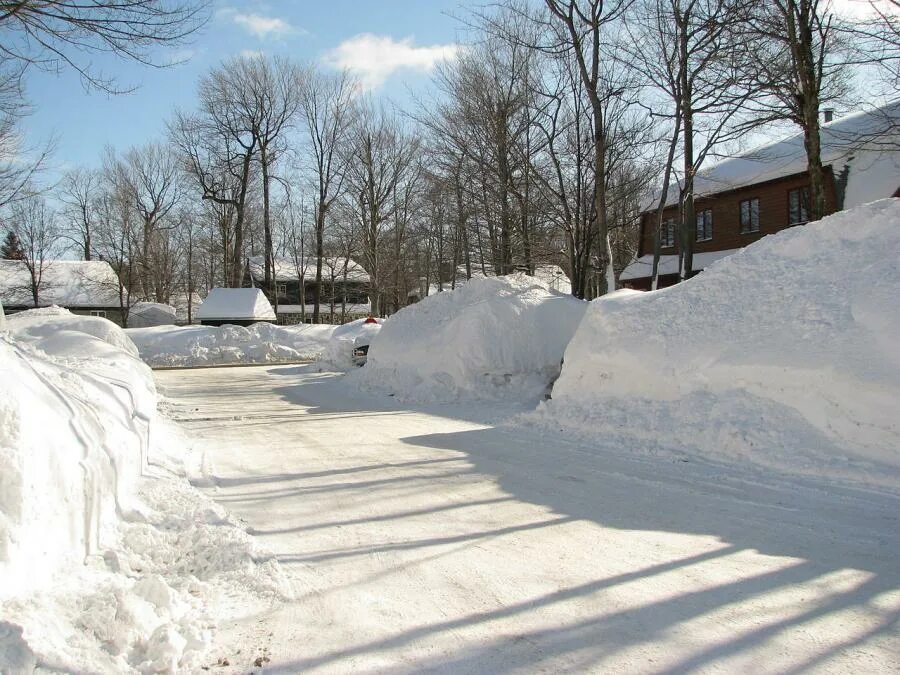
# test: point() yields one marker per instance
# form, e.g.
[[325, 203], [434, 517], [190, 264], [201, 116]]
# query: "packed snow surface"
[[109, 560], [187, 346], [236, 304], [493, 337], [785, 354]]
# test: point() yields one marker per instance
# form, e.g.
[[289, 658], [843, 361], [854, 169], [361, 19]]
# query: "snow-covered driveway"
[[421, 540]]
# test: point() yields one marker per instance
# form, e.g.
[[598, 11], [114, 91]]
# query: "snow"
[[286, 269], [668, 264], [862, 144], [783, 355], [69, 283], [237, 304], [188, 346], [109, 560], [338, 354], [492, 337], [144, 314], [427, 540]]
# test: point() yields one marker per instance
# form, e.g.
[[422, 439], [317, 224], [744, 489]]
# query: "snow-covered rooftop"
[[236, 303], [862, 144], [668, 264], [286, 269], [67, 283]]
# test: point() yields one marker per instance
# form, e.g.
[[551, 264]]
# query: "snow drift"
[[784, 354], [261, 343], [493, 337], [109, 560]]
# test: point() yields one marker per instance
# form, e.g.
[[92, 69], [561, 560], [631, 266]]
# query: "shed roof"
[[236, 303], [67, 283]]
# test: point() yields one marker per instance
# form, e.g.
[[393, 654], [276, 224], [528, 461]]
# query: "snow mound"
[[110, 561], [338, 353], [493, 337], [51, 325], [261, 343], [784, 354], [235, 304]]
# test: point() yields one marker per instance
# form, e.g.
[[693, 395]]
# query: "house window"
[[749, 216], [281, 289], [667, 235], [98, 312], [704, 225], [798, 206]]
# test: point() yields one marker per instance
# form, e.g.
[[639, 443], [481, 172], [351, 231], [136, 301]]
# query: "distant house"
[[237, 306], [744, 198], [345, 288], [81, 286]]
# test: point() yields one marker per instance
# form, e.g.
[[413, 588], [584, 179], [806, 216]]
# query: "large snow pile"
[[109, 560], [785, 354], [183, 346], [246, 304], [338, 354], [492, 337]]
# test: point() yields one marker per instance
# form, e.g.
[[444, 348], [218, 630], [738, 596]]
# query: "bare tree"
[[327, 109], [51, 34], [796, 56], [36, 228], [381, 161], [79, 192]]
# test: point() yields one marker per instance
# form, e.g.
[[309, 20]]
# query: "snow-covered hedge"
[[109, 560], [785, 354], [493, 337], [261, 343]]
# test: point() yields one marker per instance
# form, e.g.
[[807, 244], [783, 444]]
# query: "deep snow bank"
[[493, 337], [180, 346], [109, 560], [785, 354]]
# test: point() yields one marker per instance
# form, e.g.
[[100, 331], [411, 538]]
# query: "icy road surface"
[[427, 540]]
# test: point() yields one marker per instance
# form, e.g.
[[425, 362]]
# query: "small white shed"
[[237, 306]]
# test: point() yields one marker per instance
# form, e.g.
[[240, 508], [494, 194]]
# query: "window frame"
[[99, 312], [667, 236], [751, 227], [706, 224], [803, 205], [279, 285]]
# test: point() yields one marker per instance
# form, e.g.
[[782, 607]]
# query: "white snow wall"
[[74, 426], [804, 322]]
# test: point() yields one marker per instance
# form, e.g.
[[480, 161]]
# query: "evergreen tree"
[[11, 248]]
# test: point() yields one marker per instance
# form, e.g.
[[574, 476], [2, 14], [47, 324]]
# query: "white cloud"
[[374, 58], [251, 53], [259, 25]]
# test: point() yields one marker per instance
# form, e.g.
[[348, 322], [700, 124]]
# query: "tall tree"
[[327, 109]]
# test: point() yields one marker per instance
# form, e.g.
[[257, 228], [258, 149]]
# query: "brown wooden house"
[[761, 192]]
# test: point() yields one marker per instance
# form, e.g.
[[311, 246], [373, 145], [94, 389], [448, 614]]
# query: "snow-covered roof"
[[67, 283], [236, 303], [862, 144], [668, 264], [286, 269]]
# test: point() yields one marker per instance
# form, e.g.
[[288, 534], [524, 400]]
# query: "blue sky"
[[390, 43]]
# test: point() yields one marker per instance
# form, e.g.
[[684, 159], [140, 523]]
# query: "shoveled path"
[[426, 540]]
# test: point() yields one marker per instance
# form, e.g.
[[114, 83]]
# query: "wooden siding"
[[726, 209]]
